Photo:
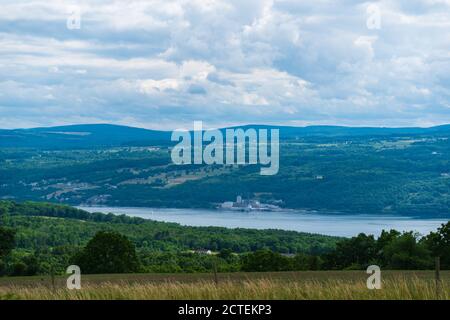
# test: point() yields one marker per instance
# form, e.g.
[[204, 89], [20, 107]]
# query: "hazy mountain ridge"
[[90, 135]]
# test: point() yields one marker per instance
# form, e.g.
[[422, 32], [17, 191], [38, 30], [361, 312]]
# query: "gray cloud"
[[163, 64]]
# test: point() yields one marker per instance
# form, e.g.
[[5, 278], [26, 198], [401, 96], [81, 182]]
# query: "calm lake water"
[[322, 223]]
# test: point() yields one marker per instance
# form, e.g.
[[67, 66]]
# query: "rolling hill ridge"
[[91, 135]]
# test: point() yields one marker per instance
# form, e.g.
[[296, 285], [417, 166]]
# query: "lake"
[[312, 222]]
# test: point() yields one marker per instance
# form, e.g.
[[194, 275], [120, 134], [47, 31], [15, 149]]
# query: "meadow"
[[346, 285]]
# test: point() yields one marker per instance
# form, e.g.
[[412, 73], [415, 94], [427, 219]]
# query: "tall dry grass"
[[400, 288]]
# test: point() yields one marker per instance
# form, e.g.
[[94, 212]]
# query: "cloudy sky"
[[163, 64]]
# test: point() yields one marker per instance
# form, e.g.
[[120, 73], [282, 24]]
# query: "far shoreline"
[[340, 225], [424, 216]]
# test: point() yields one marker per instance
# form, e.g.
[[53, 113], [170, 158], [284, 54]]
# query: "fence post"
[[52, 276], [216, 279], [437, 275]]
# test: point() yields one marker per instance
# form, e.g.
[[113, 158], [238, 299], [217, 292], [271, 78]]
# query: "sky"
[[164, 64]]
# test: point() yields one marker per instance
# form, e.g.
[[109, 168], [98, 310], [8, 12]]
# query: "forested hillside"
[[337, 169]]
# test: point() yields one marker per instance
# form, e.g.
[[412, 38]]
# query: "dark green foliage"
[[108, 252], [406, 252], [265, 260], [6, 241], [439, 244], [356, 253], [307, 262], [25, 265], [392, 250], [225, 254]]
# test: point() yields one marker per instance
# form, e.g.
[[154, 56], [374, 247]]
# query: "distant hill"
[[91, 135], [85, 135], [341, 131]]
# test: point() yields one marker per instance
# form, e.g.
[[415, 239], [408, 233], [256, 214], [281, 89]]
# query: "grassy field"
[[279, 285]]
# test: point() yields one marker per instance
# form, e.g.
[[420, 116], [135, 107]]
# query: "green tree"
[[6, 241], [439, 244], [108, 252], [385, 239], [225, 254], [303, 261], [355, 253], [265, 260], [405, 252], [6, 245]]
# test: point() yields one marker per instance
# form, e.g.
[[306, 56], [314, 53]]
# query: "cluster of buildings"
[[247, 205]]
